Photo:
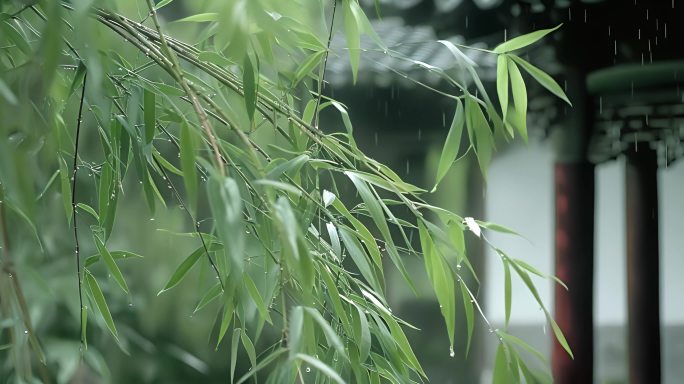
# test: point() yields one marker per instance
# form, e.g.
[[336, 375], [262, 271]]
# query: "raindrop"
[[639, 33], [25, 332], [130, 305], [467, 20], [420, 134], [407, 167], [569, 14], [636, 149], [443, 119], [600, 105], [151, 218], [458, 266], [451, 351], [308, 369], [585, 15], [615, 48]]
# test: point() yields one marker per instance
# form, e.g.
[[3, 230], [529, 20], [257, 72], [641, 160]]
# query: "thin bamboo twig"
[[73, 212]]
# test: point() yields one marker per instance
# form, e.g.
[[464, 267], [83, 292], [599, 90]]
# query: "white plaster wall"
[[520, 196]]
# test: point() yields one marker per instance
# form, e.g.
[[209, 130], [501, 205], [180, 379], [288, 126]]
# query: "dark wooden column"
[[642, 266], [574, 243]]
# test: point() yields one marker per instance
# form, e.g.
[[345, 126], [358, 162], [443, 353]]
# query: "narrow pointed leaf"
[[524, 40], [188, 166], [519, 98], [469, 312], [149, 110], [101, 304], [209, 296], [200, 18], [542, 78], [250, 86], [351, 30], [507, 290], [235, 342], [111, 264], [256, 297], [502, 83], [322, 367], [452, 143], [183, 269]]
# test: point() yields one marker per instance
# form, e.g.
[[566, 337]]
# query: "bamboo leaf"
[[359, 257], [524, 40], [507, 290], [501, 373], [150, 114], [263, 363], [256, 297], [226, 206], [321, 366], [307, 66], [537, 272], [452, 143], [328, 198], [361, 333], [183, 269], [234, 352], [117, 255], [519, 98], [249, 81], [510, 339], [227, 317], [330, 334], [469, 312], [110, 263], [458, 54], [209, 296], [101, 304], [334, 240], [249, 347], [484, 143], [559, 334], [162, 4], [502, 83], [187, 156], [542, 78], [295, 330], [351, 30], [200, 18]]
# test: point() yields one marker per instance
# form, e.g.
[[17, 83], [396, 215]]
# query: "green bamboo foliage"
[[213, 126]]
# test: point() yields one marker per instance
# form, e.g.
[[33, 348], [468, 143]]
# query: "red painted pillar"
[[574, 243], [642, 266]]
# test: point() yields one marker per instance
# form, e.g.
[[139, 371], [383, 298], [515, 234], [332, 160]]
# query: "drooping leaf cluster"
[[227, 129]]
